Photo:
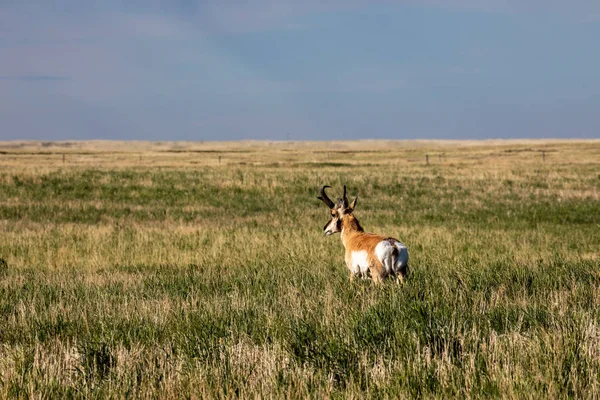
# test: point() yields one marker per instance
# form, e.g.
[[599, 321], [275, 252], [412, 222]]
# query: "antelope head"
[[338, 211]]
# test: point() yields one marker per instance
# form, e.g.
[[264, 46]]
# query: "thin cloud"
[[264, 15], [34, 78], [240, 16]]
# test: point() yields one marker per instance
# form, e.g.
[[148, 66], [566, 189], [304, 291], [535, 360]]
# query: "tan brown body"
[[356, 240], [367, 254]]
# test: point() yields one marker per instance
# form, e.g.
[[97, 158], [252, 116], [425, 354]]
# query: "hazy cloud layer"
[[272, 70]]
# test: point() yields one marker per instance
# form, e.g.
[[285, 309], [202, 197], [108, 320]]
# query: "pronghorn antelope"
[[366, 253]]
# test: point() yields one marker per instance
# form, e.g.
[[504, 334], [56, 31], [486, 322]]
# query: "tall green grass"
[[217, 282]]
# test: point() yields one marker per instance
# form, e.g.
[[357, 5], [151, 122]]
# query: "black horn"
[[325, 199], [344, 198]]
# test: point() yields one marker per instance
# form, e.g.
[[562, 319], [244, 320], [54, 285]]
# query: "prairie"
[[199, 270]]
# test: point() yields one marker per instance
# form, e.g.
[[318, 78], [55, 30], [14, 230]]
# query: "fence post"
[[427, 159]]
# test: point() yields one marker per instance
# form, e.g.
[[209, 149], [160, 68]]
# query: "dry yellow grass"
[[493, 154]]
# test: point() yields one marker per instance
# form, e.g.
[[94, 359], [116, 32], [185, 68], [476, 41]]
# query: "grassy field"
[[200, 270]]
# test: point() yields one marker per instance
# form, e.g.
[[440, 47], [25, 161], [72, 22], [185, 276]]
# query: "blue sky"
[[229, 70]]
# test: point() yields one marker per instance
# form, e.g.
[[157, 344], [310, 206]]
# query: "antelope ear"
[[353, 204]]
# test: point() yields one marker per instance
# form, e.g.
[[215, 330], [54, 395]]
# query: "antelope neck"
[[350, 226]]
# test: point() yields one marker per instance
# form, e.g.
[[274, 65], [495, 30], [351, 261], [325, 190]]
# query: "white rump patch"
[[385, 254], [393, 256]]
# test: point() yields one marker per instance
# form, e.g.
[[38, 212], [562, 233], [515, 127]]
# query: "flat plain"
[[199, 270]]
